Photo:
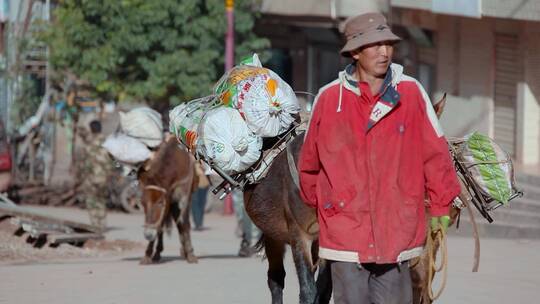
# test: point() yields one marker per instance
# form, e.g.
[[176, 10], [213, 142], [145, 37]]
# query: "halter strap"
[[154, 187]]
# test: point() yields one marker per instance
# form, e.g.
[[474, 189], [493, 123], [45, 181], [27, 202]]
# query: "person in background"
[[94, 169], [247, 230], [199, 197]]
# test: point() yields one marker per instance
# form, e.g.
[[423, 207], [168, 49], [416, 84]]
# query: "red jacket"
[[366, 164]]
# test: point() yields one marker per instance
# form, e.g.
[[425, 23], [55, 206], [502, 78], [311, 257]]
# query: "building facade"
[[484, 54]]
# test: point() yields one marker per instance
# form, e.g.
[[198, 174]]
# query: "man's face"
[[375, 58]]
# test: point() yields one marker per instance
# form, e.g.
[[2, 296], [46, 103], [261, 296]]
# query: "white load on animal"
[[126, 149], [184, 119], [266, 102], [225, 139], [144, 124]]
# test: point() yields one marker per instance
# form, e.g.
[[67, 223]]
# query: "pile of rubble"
[[29, 235]]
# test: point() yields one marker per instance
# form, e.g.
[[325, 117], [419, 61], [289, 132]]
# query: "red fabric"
[[368, 187], [5, 161]]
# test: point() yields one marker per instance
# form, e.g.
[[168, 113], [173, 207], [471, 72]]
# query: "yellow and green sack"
[[489, 165]]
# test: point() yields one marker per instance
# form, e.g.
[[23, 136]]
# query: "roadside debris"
[[43, 229]]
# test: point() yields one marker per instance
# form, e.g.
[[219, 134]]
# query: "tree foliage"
[[155, 51]]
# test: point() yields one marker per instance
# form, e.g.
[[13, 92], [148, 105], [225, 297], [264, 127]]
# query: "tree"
[[155, 51]]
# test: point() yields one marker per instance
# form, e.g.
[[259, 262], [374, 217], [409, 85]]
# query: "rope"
[[437, 236], [292, 167], [476, 237], [154, 187]]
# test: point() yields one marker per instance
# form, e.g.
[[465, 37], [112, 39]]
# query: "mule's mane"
[[166, 165], [165, 152]]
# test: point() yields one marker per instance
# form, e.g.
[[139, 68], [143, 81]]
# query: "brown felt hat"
[[365, 29]]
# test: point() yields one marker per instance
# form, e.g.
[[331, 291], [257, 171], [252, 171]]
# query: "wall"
[[464, 72], [513, 9], [528, 110]]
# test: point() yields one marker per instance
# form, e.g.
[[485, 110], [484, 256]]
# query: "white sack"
[[225, 139], [267, 113], [185, 118], [267, 103], [144, 124], [126, 149]]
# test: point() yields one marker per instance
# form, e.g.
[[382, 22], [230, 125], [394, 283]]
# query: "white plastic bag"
[[144, 124], [185, 118], [266, 102], [225, 139], [126, 149]]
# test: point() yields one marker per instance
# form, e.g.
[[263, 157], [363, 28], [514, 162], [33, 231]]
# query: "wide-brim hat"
[[365, 29]]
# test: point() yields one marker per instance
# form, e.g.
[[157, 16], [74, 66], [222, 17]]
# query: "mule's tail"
[[259, 246]]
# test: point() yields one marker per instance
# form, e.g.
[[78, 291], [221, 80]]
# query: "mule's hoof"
[[146, 261], [156, 258], [192, 259], [246, 250]]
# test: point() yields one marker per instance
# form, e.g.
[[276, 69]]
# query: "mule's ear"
[[439, 106]]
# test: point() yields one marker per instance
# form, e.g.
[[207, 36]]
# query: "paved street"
[[509, 271]]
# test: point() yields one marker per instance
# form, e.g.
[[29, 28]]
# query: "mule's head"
[[155, 204]]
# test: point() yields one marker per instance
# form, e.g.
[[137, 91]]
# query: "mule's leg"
[[159, 247], [324, 278], [275, 251], [181, 213], [301, 251], [147, 259]]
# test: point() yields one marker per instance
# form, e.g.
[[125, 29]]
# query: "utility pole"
[[229, 38], [229, 61]]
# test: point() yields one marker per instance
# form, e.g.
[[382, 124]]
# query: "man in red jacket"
[[373, 149]]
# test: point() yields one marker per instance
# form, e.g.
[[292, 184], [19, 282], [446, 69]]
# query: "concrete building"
[[485, 54]]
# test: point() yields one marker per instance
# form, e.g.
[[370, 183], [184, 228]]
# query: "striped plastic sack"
[[489, 165], [266, 102], [185, 118]]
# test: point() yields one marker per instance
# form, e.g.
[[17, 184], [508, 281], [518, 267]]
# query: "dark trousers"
[[198, 203], [371, 283]]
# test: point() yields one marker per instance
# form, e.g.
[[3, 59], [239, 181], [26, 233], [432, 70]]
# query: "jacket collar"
[[389, 95]]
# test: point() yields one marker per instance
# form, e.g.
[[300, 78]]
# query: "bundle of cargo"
[[266, 102], [126, 149], [218, 134], [144, 124], [250, 102], [486, 171], [227, 141], [185, 118], [141, 129]]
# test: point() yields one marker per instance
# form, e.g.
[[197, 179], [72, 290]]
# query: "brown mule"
[[167, 181], [276, 208]]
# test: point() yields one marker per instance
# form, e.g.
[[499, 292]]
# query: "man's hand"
[[440, 221]]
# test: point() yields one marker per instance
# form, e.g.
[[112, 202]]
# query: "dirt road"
[[509, 271]]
